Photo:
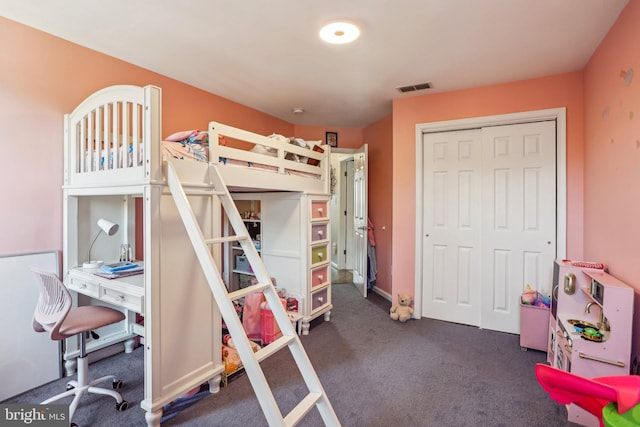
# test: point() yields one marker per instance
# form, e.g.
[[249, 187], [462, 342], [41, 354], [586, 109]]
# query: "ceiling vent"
[[412, 88]]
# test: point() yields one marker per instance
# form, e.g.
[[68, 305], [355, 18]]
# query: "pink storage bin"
[[269, 330], [534, 327]]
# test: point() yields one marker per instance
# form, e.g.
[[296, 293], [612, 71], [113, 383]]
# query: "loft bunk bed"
[[115, 166], [113, 137]]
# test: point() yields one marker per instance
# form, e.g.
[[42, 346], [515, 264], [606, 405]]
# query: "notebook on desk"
[[116, 272], [118, 266]]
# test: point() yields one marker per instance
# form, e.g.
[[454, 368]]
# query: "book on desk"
[[119, 269]]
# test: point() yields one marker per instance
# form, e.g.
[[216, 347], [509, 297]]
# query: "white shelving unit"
[[294, 244]]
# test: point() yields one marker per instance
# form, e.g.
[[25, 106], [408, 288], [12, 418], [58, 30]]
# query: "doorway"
[[463, 279], [349, 216]]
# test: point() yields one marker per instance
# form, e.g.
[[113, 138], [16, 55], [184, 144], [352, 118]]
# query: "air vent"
[[412, 88]]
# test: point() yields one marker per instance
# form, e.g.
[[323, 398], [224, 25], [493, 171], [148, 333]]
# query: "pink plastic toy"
[[593, 394]]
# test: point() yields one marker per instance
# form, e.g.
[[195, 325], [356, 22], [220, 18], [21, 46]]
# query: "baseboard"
[[382, 293]]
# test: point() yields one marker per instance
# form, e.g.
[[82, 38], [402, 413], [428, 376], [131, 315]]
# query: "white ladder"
[[224, 299]]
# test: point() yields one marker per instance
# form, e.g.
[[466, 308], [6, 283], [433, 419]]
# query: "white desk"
[[126, 293]]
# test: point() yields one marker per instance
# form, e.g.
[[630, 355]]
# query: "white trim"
[[557, 114], [382, 293]]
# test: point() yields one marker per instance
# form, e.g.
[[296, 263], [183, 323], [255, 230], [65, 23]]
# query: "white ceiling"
[[267, 54]]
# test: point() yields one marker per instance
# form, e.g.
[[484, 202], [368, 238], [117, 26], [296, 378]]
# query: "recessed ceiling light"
[[339, 32], [298, 110]]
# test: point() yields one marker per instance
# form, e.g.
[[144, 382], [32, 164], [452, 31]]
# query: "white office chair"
[[55, 315]]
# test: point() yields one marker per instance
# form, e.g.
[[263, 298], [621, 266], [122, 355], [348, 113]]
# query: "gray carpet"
[[376, 372]]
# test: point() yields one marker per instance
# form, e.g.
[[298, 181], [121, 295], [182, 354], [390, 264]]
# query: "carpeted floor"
[[376, 372]]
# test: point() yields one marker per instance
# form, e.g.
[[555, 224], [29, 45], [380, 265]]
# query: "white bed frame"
[[115, 111], [182, 327]]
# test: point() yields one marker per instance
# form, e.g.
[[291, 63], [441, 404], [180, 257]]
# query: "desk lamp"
[[108, 227]]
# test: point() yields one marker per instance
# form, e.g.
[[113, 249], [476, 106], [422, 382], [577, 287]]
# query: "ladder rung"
[[236, 295], [223, 239], [302, 409], [203, 192], [197, 189], [274, 347], [209, 266]]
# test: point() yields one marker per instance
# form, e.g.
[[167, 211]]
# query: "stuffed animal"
[[402, 311]]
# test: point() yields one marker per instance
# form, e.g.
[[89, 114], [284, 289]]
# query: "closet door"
[[452, 222], [489, 222], [519, 218]]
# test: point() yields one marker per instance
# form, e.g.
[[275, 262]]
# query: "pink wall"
[[564, 90], [347, 137], [380, 140], [612, 154], [41, 78], [379, 137]]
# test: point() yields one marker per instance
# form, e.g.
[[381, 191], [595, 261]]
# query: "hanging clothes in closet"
[[372, 268]]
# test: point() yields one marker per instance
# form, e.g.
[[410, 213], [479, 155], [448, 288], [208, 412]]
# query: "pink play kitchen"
[[590, 325]]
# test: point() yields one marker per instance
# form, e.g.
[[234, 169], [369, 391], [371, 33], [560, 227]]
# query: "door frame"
[[557, 114], [344, 247]]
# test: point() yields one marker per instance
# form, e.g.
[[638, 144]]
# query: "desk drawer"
[[319, 276], [319, 254], [83, 287], [132, 302], [320, 299], [319, 232], [319, 209]]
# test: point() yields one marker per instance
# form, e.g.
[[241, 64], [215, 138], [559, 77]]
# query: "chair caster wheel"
[[122, 406], [117, 384]]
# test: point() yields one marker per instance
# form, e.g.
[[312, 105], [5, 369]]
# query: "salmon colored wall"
[[564, 90], [41, 78], [347, 137], [379, 137], [612, 155]]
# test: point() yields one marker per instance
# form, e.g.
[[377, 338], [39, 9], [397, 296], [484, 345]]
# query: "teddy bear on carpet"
[[402, 311]]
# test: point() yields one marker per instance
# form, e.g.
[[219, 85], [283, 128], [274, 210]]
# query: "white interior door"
[[360, 218], [346, 214], [489, 221], [452, 251], [519, 228]]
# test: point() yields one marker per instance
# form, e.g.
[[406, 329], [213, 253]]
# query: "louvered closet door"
[[489, 222]]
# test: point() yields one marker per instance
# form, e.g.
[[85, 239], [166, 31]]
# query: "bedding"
[[194, 145], [126, 115], [95, 162]]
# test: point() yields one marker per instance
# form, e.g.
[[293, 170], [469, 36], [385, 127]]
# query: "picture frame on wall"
[[331, 138]]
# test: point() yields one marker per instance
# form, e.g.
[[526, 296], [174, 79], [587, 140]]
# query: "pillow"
[[270, 151], [296, 157], [181, 136], [263, 149]]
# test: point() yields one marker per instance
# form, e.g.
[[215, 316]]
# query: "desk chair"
[[55, 315]]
